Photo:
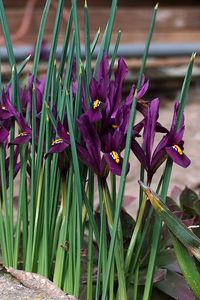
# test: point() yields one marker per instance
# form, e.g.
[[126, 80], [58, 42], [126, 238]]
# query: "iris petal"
[[180, 159]]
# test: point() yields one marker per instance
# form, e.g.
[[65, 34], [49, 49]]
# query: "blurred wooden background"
[[176, 23]]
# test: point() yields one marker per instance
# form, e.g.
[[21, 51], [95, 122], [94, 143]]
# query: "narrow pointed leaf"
[[6, 34], [180, 230], [188, 266]]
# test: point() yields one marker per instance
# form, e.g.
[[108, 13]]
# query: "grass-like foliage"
[[65, 136]]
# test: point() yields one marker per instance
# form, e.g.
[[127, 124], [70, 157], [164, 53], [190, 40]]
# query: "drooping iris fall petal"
[[178, 156]]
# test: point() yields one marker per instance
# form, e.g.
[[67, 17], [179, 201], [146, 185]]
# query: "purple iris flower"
[[112, 145], [26, 133], [62, 141], [100, 153], [170, 145], [99, 90], [90, 152], [173, 143], [108, 109], [7, 110]]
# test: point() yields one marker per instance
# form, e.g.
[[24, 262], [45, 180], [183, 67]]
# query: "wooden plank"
[[107, 3], [172, 25]]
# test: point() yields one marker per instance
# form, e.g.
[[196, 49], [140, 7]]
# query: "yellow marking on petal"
[[3, 107], [114, 126], [177, 149], [57, 141], [96, 104], [23, 133], [115, 156]]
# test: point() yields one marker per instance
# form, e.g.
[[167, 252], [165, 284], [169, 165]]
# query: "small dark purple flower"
[[25, 134], [100, 153], [170, 145], [112, 146], [62, 141], [90, 152], [7, 110]]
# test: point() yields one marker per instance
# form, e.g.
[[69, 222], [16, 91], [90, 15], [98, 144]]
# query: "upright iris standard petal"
[[7, 110], [103, 73], [150, 128], [91, 140], [3, 134], [139, 153]]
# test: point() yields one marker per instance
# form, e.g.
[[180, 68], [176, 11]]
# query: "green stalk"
[[11, 162], [21, 67], [91, 217], [112, 281], [90, 241], [40, 38], [135, 235], [135, 259], [79, 199], [102, 257], [6, 34], [126, 157], [56, 219], [68, 286], [62, 96], [45, 244], [105, 44], [113, 190], [87, 42], [120, 196], [115, 51], [93, 44], [166, 181], [37, 221], [4, 248], [66, 207], [32, 204], [47, 88], [0, 78], [22, 209], [5, 206], [119, 253], [43, 115], [77, 37], [65, 47], [136, 277]]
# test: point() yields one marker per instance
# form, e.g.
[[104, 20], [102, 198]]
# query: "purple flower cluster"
[[9, 115], [102, 126]]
